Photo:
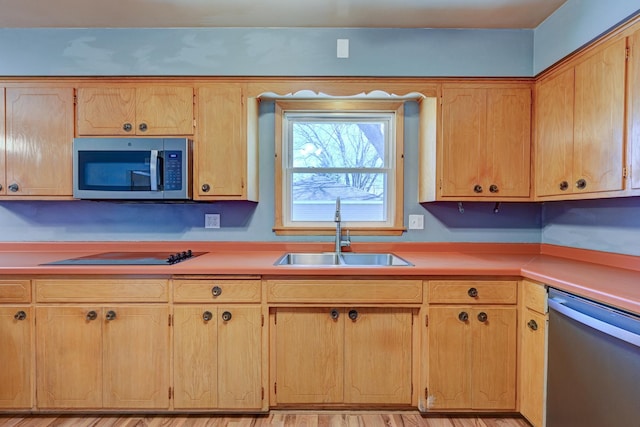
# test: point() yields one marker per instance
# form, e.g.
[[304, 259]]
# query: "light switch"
[[343, 48]]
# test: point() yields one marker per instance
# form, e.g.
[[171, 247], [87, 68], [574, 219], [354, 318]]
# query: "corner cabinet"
[[153, 110], [484, 149], [472, 344], [225, 151], [580, 119], [37, 151]]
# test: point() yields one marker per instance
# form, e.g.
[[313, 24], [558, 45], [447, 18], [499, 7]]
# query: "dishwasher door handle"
[[599, 325]]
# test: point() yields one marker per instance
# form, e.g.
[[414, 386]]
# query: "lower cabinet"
[[93, 357], [342, 356], [15, 353]]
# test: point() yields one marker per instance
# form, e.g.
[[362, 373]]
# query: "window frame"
[[396, 211]]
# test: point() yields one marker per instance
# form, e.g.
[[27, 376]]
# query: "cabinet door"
[[309, 354], [508, 146], [378, 356], [39, 126], [450, 355], [69, 357], [106, 111], [493, 368], [240, 357], [463, 140], [15, 353], [136, 357], [195, 361], [554, 134], [220, 150], [164, 110], [599, 120], [634, 109], [532, 370], [3, 182]]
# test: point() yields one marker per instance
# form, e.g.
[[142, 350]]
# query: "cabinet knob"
[[353, 315], [91, 315], [206, 316], [334, 314], [226, 316], [581, 184], [127, 127], [482, 316], [206, 188], [21, 315], [472, 292], [463, 316], [142, 127], [564, 186], [0, 187], [14, 187], [493, 188], [477, 188], [216, 291], [533, 325], [111, 315]]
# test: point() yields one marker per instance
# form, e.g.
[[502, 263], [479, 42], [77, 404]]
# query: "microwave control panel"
[[172, 170]]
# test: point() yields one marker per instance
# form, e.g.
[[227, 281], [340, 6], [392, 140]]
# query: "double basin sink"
[[346, 259]]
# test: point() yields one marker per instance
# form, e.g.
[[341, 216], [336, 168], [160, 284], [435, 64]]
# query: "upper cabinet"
[[484, 149], [580, 116], [37, 149], [634, 110], [154, 110], [225, 152]]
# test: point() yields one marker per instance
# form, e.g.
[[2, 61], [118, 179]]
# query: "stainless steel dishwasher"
[[593, 377]]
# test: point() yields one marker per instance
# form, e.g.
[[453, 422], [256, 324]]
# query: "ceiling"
[[276, 13]]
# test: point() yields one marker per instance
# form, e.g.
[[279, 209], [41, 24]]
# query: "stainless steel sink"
[[352, 259]]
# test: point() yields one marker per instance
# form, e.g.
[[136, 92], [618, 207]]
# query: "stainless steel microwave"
[[132, 168]]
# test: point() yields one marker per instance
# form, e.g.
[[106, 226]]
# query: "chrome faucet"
[[340, 242]]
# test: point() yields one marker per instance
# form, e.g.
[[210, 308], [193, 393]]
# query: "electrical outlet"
[[211, 220], [416, 222]]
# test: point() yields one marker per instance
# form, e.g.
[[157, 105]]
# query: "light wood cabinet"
[[484, 151], [16, 325], [225, 153], [38, 146], [472, 346], [633, 118], [342, 356], [149, 110], [580, 116], [533, 338]]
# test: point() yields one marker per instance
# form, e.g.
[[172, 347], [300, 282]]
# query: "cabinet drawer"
[[216, 290], [473, 291], [15, 291], [102, 290], [534, 296], [345, 291]]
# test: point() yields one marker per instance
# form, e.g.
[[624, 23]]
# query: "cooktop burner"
[[130, 258]]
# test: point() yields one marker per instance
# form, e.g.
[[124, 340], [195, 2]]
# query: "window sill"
[[330, 231]]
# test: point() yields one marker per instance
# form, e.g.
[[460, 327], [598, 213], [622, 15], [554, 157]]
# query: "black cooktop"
[[130, 258]]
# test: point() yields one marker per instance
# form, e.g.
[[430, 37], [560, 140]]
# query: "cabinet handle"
[[206, 316], [226, 316], [482, 316], [463, 316], [143, 127], [472, 292], [206, 188], [334, 314], [127, 127], [493, 188], [353, 315], [111, 315], [477, 188], [216, 291], [21, 315], [92, 315], [14, 187], [581, 184], [564, 186], [533, 325]]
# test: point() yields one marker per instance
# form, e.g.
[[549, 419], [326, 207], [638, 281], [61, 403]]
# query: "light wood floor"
[[277, 419]]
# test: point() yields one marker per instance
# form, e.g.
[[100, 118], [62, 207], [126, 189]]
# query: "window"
[[336, 148]]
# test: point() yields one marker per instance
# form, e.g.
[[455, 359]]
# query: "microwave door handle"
[[153, 172]]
